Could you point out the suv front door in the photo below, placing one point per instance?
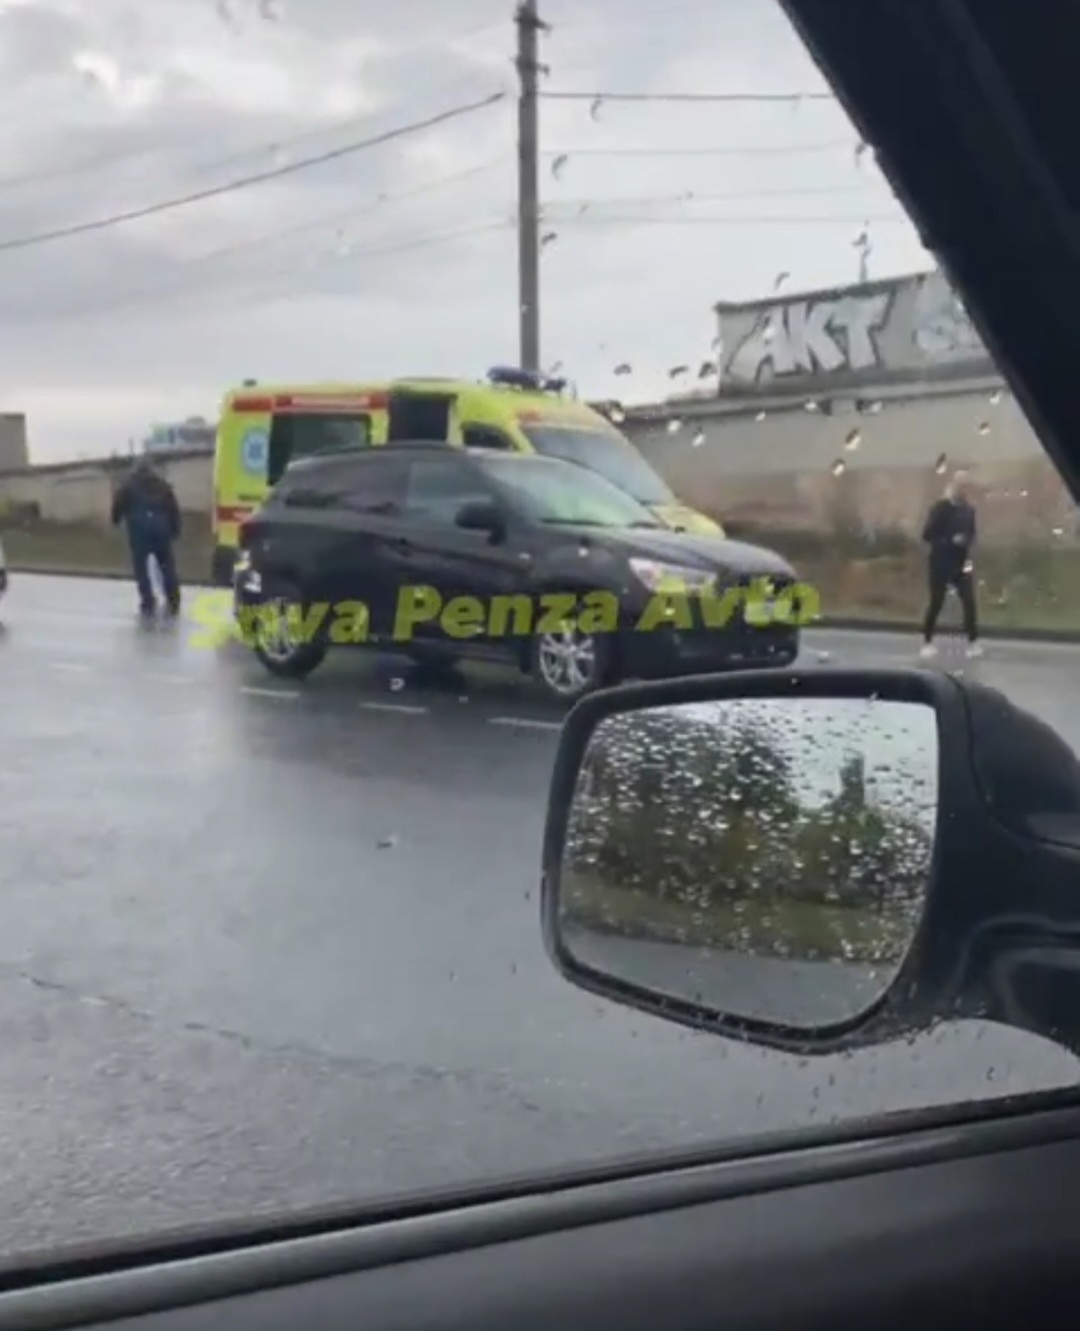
(452, 561)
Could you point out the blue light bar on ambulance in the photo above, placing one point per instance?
(529, 381)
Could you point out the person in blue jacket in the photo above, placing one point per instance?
(146, 503)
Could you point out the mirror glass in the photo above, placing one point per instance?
(767, 858)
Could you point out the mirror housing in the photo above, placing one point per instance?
(482, 515)
(996, 935)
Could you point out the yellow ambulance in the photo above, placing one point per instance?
(263, 428)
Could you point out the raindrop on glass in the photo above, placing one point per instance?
(853, 439)
(838, 467)
(698, 439)
(674, 425)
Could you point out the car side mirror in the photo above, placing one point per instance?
(482, 515)
(816, 860)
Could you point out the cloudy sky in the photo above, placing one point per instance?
(398, 258)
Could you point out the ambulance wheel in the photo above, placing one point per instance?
(279, 640)
(221, 566)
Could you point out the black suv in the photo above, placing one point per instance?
(442, 552)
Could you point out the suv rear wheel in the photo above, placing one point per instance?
(281, 641)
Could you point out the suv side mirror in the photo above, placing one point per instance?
(815, 860)
(482, 515)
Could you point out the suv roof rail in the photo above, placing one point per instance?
(351, 451)
(417, 443)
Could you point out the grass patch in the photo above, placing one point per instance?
(69, 547)
(797, 930)
(1034, 588)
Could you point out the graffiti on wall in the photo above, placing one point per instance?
(811, 337)
(900, 328)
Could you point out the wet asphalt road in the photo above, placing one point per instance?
(264, 947)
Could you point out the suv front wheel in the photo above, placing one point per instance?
(569, 663)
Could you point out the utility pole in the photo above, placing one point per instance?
(529, 25)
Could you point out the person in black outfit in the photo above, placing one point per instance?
(146, 503)
(950, 533)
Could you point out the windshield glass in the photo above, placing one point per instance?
(270, 903)
(559, 493)
(608, 454)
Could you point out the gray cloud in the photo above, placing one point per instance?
(401, 257)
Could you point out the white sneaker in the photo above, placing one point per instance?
(927, 650)
(975, 649)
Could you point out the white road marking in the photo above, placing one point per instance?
(394, 707)
(70, 667)
(69, 617)
(268, 693)
(175, 679)
(524, 722)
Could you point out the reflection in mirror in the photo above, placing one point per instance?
(768, 858)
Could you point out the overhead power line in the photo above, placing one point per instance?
(255, 178)
(852, 219)
(763, 150)
(688, 96)
(202, 267)
(268, 282)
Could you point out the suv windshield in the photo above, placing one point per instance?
(606, 453)
(553, 492)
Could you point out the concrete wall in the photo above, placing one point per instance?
(82, 491)
(13, 447)
(770, 463)
(775, 463)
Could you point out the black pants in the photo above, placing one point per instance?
(145, 547)
(942, 577)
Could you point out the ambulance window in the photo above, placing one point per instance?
(485, 436)
(298, 435)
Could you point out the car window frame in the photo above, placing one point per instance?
(465, 466)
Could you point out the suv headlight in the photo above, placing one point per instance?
(660, 577)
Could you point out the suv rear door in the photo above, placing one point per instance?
(332, 525)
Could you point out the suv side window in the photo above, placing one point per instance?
(485, 436)
(376, 484)
(306, 487)
(438, 487)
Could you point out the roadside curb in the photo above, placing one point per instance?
(90, 574)
(840, 623)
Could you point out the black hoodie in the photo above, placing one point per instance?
(147, 503)
(948, 520)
